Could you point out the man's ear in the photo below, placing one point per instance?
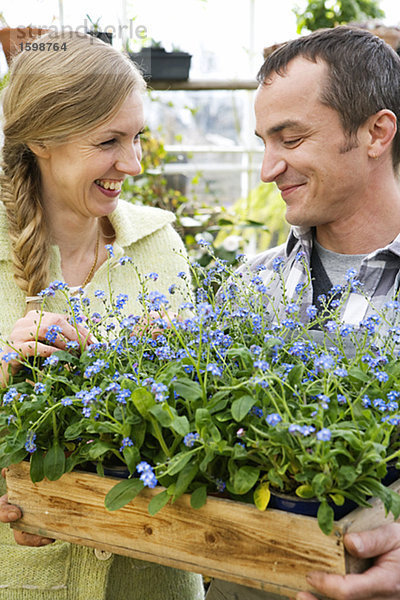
(382, 128)
(40, 150)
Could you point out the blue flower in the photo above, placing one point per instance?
(381, 376)
(324, 435)
(126, 442)
(51, 361)
(214, 369)
(9, 356)
(124, 260)
(39, 388)
(273, 419)
(95, 368)
(366, 401)
(30, 445)
(66, 401)
(10, 395)
(277, 263)
(190, 439)
(160, 391)
(122, 396)
(311, 311)
(147, 474)
(220, 485)
(110, 250)
(152, 276)
(52, 333)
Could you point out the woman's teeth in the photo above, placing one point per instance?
(109, 185)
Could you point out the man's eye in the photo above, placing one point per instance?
(292, 143)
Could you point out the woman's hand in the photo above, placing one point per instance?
(28, 338)
(10, 513)
(150, 323)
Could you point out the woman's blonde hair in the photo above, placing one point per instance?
(51, 96)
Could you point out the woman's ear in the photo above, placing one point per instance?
(40, 150)
(382, 127)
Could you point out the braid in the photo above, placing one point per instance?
(20, 184)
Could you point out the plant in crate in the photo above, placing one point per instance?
(233, 395)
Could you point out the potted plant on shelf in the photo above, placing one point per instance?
(94, 30)
(157, 64)
(13, 39)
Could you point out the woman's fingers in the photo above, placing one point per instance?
(29, 539)
(8, 512)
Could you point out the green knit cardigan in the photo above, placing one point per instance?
(63, 571)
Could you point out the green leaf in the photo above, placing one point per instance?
(181, 425)
(244, 479)
(54, 463)
(185, 477)
(321, 483)
(338, 499)
(395, 503)
(177, 463)
(188, 389)
(143, 401)
(325, 517)
(37, 466)
(241, 407)
(262, 495)
(122, 493)
(346, 476)
(199, 497)
(98, 448)
(296, 375)
(13, 458)
(305, 491)
(74, 430)
(132, 457)
(357, 373)
(158, 502)
(66, 357)
(161, 414)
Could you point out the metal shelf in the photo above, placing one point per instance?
(204, 85)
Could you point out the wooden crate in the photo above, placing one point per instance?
(271, 550)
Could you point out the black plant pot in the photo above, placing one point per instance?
(104, 36)
(156, 64)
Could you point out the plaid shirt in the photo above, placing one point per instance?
(379, 275)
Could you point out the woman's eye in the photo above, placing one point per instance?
(108, 142)
(137, 136)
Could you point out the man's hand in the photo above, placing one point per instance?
(381, 581)
(9, 513)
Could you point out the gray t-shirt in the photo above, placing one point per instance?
(336, 264)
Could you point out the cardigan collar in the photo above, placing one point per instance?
(131, 223)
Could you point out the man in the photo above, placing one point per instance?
(327, 110)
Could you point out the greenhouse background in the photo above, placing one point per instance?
(201, 157)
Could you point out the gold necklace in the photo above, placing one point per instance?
(96, 258)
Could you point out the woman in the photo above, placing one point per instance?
(72, 124)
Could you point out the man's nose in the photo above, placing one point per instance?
(273, 165)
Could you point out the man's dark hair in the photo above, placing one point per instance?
(363, 75)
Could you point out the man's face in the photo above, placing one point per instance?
(321, 176)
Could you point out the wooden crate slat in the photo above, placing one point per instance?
(271, 550)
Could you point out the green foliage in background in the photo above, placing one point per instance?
(251, 225)
(330, 13)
